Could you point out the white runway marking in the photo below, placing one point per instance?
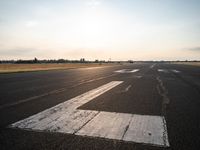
(66, 118)
(152, 66)
(127, 88)
(163, 70)
(107, 125)
(175, 71)
(138, 77)
(64, 112)
(127, 70)
(89, 68)
(147, 129)
(167, 71)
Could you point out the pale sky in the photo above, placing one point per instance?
(100, 29)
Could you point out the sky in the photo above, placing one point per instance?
(100, 29)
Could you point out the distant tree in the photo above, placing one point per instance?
(130, 61)
(60, 61)
(82, 60)
(35, 60)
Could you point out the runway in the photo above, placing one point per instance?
(128, 106)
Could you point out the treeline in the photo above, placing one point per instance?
(82, 60)
(35, 61)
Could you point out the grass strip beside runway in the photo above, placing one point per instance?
(10, 68)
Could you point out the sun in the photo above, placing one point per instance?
(95, 25)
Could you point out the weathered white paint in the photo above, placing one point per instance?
(107, 125)
(89, 68)
(134, 70)
(127, 127)
(147, 129)
(127, 88)
(127, 70)
(163, 70)
(152, 66)
(66, 118)
(167, 71)
(137, 77)
(175, 71)
(64, 112)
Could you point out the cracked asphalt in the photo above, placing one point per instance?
(172, 94)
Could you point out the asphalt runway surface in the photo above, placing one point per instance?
(139, 106)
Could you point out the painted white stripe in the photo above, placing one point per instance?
(127, 127)
(89, 68)
(65, 111)
(120, 71)
(175, 71)
(128, 87)
(127, 70)
(66, 118)
(107, 125)
(163, 70)
(152, 66)
(136, 77)
(167, 71)
(147, 129)
(134, 70)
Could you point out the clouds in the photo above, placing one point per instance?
(21, 53)
(31, 23)
(93, 3)
(99, 28)
(194, 48)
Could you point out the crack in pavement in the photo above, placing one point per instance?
(162, 91)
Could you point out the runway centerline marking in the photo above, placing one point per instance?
(163, 70)
(152, 66)
(168, 70)
(127, 70)
(175, 71)
(67, 118)
(127, 88)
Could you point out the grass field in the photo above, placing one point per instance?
(9, 68)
